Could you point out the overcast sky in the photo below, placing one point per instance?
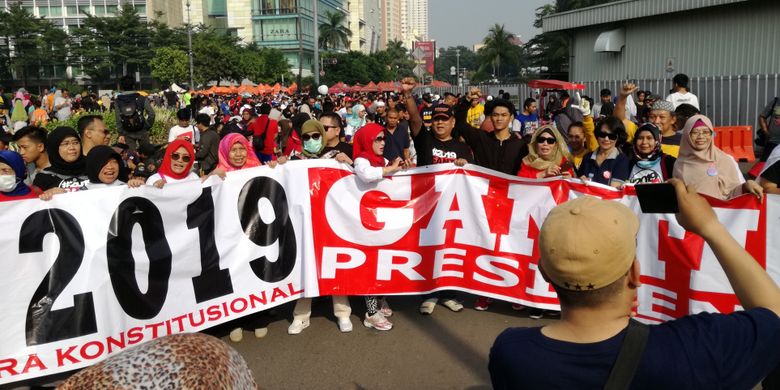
(466, 22)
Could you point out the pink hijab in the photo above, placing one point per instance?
(711, 171)
(224, 153)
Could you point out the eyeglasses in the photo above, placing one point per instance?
(70, 143)
(379, 139)
(604, 134)
(314, 136)
(703, 133)
(546, 140)
(183, 157)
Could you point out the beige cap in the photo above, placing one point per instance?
(588, 243)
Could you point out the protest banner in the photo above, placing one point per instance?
(91, 273)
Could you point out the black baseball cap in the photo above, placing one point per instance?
(442, 110)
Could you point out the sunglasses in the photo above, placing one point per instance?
(183, 157)
(314, 136)
(331, 127)
(546, 140)
(379, 139)
(603, 134)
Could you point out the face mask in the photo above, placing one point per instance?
(312, 146)
(7, 183)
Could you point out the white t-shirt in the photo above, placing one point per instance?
(367, 173)
(157, 176)
(190, 132)
(678, 98)
(93, 186)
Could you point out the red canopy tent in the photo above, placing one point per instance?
(356, 88)
(292, 88)
(440, 84)
(339, 87)
(370, 87)
(555, 84)
(389, 86)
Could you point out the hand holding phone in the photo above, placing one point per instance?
(659, 198)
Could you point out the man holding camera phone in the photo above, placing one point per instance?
(596, 275)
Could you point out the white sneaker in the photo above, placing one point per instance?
(345, 324)
(298, 326)
(236, 335)
(377, 321)
(452, 304)
(428, 305)
(261, 332)
(384, 308)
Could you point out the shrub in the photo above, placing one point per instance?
(164, 119)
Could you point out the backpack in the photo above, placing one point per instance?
(131, 108)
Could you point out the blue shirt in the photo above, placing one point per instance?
(703, 351)
(528, 123)
(614, 169)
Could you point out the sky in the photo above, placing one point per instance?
(466, 22)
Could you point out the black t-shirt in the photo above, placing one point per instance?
(342, 147)
(430, 150)
(46, 180)
(772, 173)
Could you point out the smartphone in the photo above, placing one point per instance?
(659, 198)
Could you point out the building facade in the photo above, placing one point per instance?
(365, 22)
(391, 22)
(414, 21)
(726, 47)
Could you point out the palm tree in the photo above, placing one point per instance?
(498, 48)
(333, 32)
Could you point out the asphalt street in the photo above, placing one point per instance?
(445, 350)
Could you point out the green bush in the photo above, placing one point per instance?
(164, 119)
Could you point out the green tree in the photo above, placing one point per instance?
(448, 58)
(21, 30)
(397, 59)
(170, 65)
(113, 46)
(333, 32)
(354, 67)
(216, 57)
(499, 49)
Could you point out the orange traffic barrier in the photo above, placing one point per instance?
(737, 141)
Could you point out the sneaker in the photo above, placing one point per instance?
(385, 308)
(482, 303)
(377, 321)
(345, 324)
(236, 335)
(452, 304)
(298, 326)
(261, 332)
(517, 307)
(428, 305)
(536, 314)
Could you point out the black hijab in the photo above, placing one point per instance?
(97, 158)
(58, 165)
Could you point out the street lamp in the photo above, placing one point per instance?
(457, 66)
(189, 42)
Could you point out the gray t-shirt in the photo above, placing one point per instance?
(772, 115)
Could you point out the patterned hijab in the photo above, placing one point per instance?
(224, 153)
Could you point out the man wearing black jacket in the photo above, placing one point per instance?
(499, 150)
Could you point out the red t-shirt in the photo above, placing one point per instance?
(258, 129)
(532, 173)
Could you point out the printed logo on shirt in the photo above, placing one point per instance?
(74, 184)
(443, 156)
(646, 176)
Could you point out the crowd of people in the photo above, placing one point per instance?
(633, 138)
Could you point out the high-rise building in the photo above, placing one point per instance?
(414, 21)
(287, 25)
(391, 22)
(365, 22)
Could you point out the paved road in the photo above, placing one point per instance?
(446, 350)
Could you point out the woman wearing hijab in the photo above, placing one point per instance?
(12, 174)
(66, 173)
(313, 136)
(19, 113)
(548, 155)
(649, 164)
(103, 166)
(235, 152)
(708, 169)
(176, 165)
(371, 166)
